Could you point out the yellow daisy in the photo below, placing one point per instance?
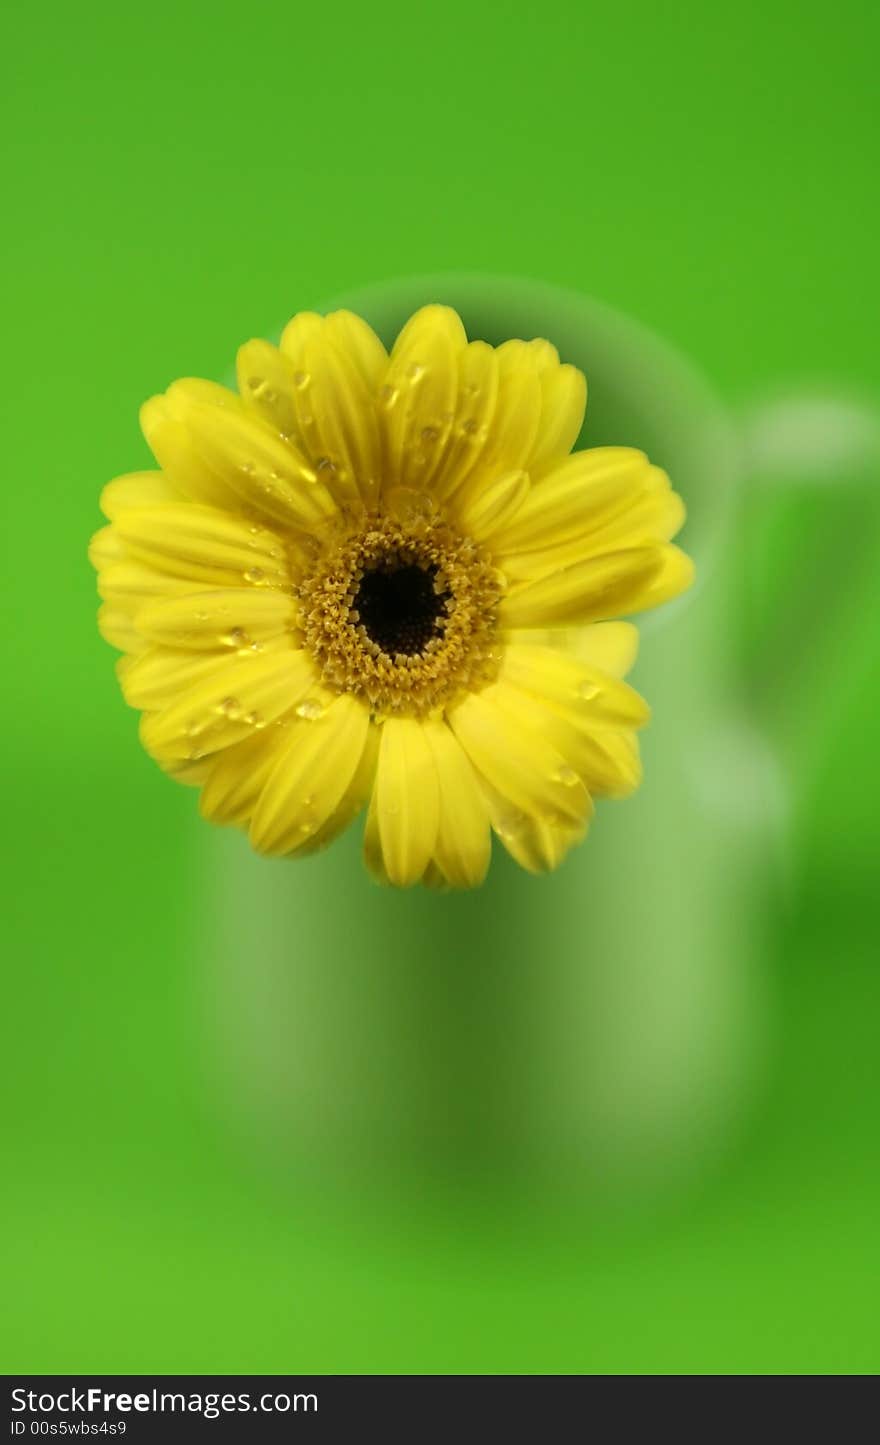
(383, 581)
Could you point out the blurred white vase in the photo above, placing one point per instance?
(603, 1025)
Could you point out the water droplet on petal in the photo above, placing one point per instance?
(566, 775)
(408, 505)
(310, 708)
(587, 691)
(511, 824)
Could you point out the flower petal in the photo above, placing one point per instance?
(311, 776)
(203, 544)
(417, 399)
(137, 489)
(219, 450)
(301, 329)
(106, 548)
(604, 755)
(476, 400)
(265, 473)
(675, 576)
(351, 335)
(515, 420)
(240, 697)
(483, 513)
(521, 764)
(267, 380)
(354, 799)
(407, 800)
(175, 451)
(337, 421)
(576, 498)
(233, 618)
(319, 392)
(559, 677)
(610, 646)
(237, 776)
(117, 627)
(535, 844)
(158, 676)
(587, 591)
(130, 584)
(463, 846)
(563, 403)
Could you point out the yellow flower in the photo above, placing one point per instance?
(382, 581)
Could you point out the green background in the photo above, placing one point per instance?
(179, 178)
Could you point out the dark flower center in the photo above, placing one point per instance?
(400, 608)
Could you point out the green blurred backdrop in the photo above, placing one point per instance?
(180, 178)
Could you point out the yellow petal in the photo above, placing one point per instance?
(266, 474)
(117, 628)
(521, 764)
(237, 776)
(587, 591)
(407, 800)
(654, 516)
(203, 544)
(311, 778)
(130, 584)
(219, 450)
(243, 695)
(462, 850)
(517, 413)
(192, 775)
(175, 451)
(355, 339)
(481, 514)
(609, 762)
(157, 677)
(137, 489)
(559, 677)
(233, 618)
(605, 756)
(301, 329)
(675, 576)
(372, 850)
(352, 802)
(610, 646)
(337, 421)
(476, 400)
(267, 380)
(106, 548)
(417, 398)
(575, 498)
(563, 403)
(535, 844)
(319, 393)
